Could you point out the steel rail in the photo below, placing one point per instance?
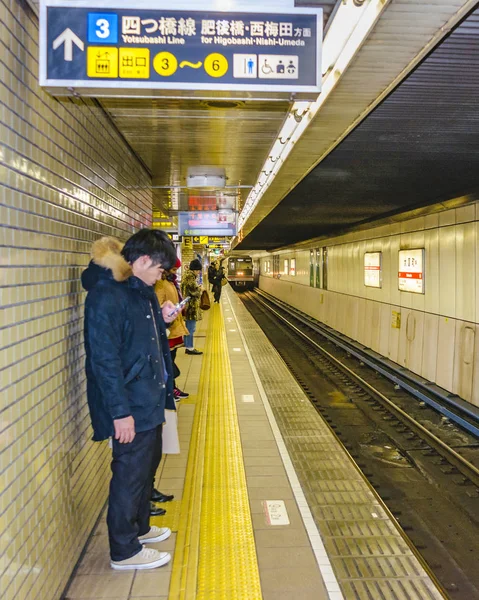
(467, 468)
(404, 381)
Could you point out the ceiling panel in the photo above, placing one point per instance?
(171, 135)
(419, 147)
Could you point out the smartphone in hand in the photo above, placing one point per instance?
(179, 306)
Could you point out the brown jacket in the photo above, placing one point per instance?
(165, 290)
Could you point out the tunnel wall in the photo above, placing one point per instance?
(438, 330)
(66, 178)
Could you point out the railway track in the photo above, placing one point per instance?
(423, 465)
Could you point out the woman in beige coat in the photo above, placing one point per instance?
(168, 289)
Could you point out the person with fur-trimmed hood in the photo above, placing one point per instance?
(129, 383)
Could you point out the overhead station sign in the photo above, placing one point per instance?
(121, 51)
(206, 224)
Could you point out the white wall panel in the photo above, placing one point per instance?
(375, 325)
(466, 271)
(341, 314)
(475, 376)
(395, 294)
(465, 342)
(412, 337)
(368, 318)
(385, 326)
(431, 241)
(476, 270)
(418, 241)
(393, 348)
(445, 352)
(388, 268)
(447, 271)
(430, 346)
(361, 320)
(465, 214)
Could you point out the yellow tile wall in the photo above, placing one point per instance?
(66, 178)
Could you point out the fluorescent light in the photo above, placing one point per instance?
(350, 27)
(339, 31)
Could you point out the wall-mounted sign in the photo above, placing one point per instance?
(120, 47)
(372, 269)
(411, 271)
(204, 223)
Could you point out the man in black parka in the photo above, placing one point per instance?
(129, 382)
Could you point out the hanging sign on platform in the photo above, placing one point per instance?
(123, 48)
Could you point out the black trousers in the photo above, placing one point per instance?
(130, 491)
(217, 292)
(176, 371)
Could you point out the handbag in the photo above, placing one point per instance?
(205, 301)
(224, 281)
(171, 441)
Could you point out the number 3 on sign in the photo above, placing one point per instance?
(216, 65)
(103, 28)
(165, 64)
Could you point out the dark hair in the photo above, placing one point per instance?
(153, 243)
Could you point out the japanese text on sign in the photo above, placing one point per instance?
(411, 271)
(158, 48)
(372, 269)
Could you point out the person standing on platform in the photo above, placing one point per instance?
(129, 383)
(190, 287)
(168, 289)
(211, 274)
(218, 283)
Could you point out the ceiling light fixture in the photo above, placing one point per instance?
(350, 27)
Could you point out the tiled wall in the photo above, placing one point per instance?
(439, 330)
(66, 178)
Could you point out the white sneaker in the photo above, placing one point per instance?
(147, 558)
(156, 534)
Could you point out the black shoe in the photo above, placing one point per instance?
(157, 496)
(195, 352)
(156, 511)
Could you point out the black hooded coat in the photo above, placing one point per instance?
(128, 361)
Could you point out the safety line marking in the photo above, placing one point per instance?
(215, 555)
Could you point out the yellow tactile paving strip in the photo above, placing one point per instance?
(215, 554)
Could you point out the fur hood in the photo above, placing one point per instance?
(107, 262)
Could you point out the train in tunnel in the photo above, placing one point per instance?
(240, 272)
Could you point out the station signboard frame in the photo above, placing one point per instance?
(373, 269)
(84, 49)
(411, 270)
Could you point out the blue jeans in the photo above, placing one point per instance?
(133, 468)
(188, 339)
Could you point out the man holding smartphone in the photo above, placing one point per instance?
(129, 382)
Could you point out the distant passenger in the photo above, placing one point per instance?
(168, 289)
(129, 383)
(212, 270)
(218, 283)
(190, 287)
